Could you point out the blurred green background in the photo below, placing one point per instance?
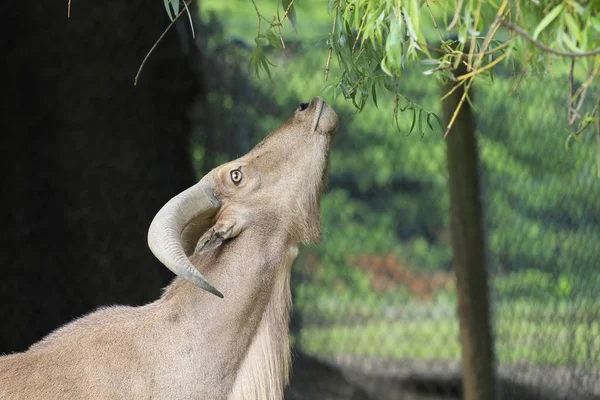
(381, 282)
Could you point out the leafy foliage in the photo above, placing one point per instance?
(388, 191)
(374, 41)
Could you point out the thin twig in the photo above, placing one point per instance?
(360, 28)
(135, 80)
(571, 114)
(435, 25)
(592, 113)
(460, 53)
(456, 16)
(440, 68)
(258, 15)
(491, 33)
(69, 9)
(286, 12)
(574, 112)
(396, 100)
(328, 63)
(474, 38)
(480, 70)
(523, 33)
(459, 84)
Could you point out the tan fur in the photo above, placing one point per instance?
(189, 344)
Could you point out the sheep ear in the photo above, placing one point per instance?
(219, 232)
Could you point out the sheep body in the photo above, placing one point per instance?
(190, 344)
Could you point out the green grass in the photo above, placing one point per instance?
(423, 340)
(519, 338)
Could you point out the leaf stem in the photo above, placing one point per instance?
(284, 16)
(135, 80)
(258, 15)
(328, 63)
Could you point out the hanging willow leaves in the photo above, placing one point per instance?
(374, 40)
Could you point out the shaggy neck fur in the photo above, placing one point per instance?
(261, 369)
(264, 372)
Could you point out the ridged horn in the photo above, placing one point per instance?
(164, 234)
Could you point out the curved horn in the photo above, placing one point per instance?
(164, 234)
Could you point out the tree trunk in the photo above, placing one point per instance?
(468, 251)
(87, 158)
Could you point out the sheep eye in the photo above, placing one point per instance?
(236, 176)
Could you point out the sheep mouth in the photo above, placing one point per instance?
(318, 104)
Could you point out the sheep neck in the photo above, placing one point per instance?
(264, 372)
(247, 343)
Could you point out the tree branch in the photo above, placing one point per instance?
(523, 33)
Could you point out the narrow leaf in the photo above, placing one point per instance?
(374, 95)
(421, 131)
(175, 5)
(414, 121)
(548, 19)
(429, 121)
(291, 15)
(187, 10)
(573, 27)
(168, 8)
(439, 121)
(273, 39)
(265, 65)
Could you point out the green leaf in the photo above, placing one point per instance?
(273, 39)
(595, 22)
(393, 45)
(548, 19)
(439, 121)
(428, 121)
(175, 5)
(568, 142)
(573, 27)
(168, 8)
(414, 121)
(374, 95)
(291, 15)
(384, 66)
(345, 90)
(421, 131)
(265, 63)
(568, 41)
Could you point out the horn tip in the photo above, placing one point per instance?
(217, 293)
(211, 289)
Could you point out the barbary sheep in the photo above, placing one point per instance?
(238, 228)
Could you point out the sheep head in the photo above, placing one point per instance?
(276, 187)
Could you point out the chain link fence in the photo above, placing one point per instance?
(377, 298)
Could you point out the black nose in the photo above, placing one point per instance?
(302, 106)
